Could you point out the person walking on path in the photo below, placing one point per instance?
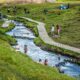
(58, 29)
(52, 29)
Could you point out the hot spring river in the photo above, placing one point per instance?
(25, 37)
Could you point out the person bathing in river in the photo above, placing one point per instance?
(59, 58)
(25, 49)
(45, 62)
(40, 60)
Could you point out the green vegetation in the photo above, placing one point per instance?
(69, 19)
(17, 66)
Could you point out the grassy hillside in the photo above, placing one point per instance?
(68, 19)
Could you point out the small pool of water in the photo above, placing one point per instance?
(37, 53)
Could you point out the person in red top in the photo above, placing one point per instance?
(58, 29)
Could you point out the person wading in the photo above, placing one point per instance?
(40, 60)
(45, 62)
(25, 48)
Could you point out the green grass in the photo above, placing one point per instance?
(17, 66)
(68, 19)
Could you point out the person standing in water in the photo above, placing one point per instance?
(45, 62)
(40, 60)
(59, 58)
(25, 48)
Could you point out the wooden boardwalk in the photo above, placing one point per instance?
(45, 37)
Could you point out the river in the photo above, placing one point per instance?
(25, 37)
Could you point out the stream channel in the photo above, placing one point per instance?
(25, 37)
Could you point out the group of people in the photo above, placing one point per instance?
(46, 60)
(40, 60)
(58, 29)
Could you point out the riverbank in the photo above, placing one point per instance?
(43, 45)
